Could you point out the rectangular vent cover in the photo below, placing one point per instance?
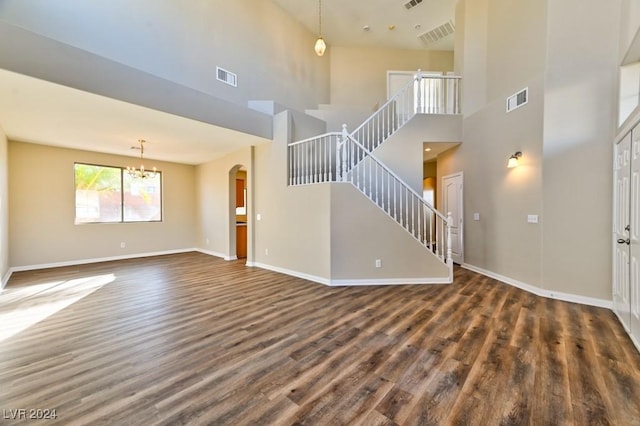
(437, 33)
(517, 100)
(412, 3)
(227, 77)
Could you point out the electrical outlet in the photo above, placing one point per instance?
(266, 252)
(123, 245)
(207, 241)
(258, 216)
(378, 263)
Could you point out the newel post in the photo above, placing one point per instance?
(449, 222)
(343, 145)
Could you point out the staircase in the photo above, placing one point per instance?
(350, 157)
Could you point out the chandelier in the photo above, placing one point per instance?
(141, 173)
(320, 46)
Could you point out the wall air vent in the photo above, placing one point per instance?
(227, 77)
(411, 4)
(517, 100)
(437, 33)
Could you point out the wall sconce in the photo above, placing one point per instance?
(513, 160)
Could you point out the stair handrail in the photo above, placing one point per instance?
(410, 219)
(395, 176)
(311, 139)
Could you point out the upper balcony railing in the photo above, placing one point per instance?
(423, 94)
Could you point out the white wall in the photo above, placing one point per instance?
(42, 210)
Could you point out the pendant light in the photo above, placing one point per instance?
(320, 46)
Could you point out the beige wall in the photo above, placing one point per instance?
(4, 208)
(362, 233)
(42, 210)
(629, 27)
(580, 109)
(564, 132)
(429, 169)
(502, 241)
(183, 42)
(359, 75)
(402, 152)
(293, 232)
(215, 191)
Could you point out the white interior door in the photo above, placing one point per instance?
(452, 186)
(621, 234)
(634, 237)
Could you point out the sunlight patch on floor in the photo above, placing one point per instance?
(29, 305)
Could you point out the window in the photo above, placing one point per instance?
(109, 195)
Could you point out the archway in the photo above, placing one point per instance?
(238, 212)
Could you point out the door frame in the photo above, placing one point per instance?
(460, 259)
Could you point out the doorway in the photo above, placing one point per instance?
(238, 208)
(626, 232)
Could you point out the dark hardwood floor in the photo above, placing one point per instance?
(191, 339)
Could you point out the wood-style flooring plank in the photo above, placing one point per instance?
(191, 339)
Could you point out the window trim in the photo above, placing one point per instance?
(123, 171)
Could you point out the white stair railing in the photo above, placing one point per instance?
(314, 160)
(348, 157)
(424, 94)
(397, 199)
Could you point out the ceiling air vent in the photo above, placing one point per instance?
(412, 4)
(437, 33)
(518, 99)
(227, 77)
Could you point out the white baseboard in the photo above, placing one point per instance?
(390, 281)
(97, 260)
(296, 274)
(212, 253)
(5, 279)
(216, 254)
(359, 282)
(566, 297)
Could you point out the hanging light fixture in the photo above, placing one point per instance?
(141, 173)
(320, 46)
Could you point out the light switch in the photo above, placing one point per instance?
(258, 216)
(532, 218)
(476, 216)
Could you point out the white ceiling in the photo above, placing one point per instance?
(343, 21)
(37, 111)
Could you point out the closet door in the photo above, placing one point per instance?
(621, 234)
(634, 236)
